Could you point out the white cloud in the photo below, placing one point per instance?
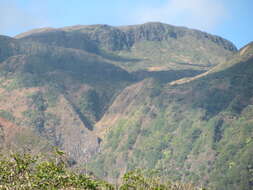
(201, 14)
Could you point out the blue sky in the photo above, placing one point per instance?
(231, 19)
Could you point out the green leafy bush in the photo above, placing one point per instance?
(23, 171)
(27, 172)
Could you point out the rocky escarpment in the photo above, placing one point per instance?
(151, 46)
(119, 38)
(159, 32)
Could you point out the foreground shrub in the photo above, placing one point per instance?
(22, 171)
(26, 172)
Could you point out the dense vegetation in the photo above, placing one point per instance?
(23, 171)
(197, 130)
(27, 172)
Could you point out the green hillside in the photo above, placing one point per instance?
(154, 96)
(50, 90)
(47, 90)
(197, 130)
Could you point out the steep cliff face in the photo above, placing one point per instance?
(8, 47)
(159, 32)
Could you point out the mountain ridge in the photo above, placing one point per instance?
(150, 46)
(155, 26)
